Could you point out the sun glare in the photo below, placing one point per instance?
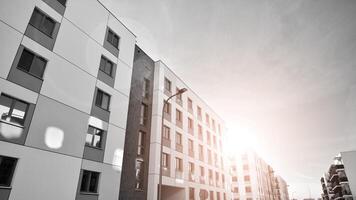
(239, 140)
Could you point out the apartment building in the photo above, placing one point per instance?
(253, 179)
(339, 182)
(193, 165)
(64, 96)
(281, 188)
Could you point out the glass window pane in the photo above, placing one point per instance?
(38, 67)
(110, 36)
(5, 104)
(89, 139)
(94, 182)
(116, 41)
(85, 181)
(102, 64)
(26, 60)
(97, 140)
(108, 68)
(36, 18)
(7, 167)
(99, 96)
(48, 26)
(105, 102)
(19, 112)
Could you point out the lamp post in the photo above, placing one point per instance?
(181, 91)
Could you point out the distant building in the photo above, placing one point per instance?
(253, 179)
(339, 182)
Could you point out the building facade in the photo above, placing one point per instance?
(253, 179)
(192, 159)
(339, 182)
(282, 188)
(64, 96)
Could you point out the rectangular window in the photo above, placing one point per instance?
(165, 160)
(113, 39)
(166, 132)
(236, 190)
(141, 143)
(210, 159)
(42, 22)
(213, 124)
(32, 63)
(94, 137)
(202, 171)
(178, 138)
(245, 167)
(167, 108)
(179, 117)
(247, 178)
(234, 178)
(190, 104)
(190, 123)
(207, 120)
(191, 168)
(106, 66)
(90, 181)
(167, 85)
(146, 88)
(7, 168)
(179, 96)
(208, 140)
(139, 174)
(248, 189)
(102, 100)
(179, 164)
(200, 132)
(13, 110)
(190, 145)
(201, 152)
(199, 112)
(143, 114)
(214, 141)
(191, 194)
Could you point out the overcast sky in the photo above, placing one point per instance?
(285, 69)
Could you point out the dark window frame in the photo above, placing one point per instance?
(10, 175)
(11, 109)
(34, 57)
(139, 185)
(41, 26)
(100, 98)
(62, 3)
(106, 61)
(141, 143)
(110, 38)
(95, 133)
(87, 185)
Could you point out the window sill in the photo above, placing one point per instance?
(89, 193)
(98, 148)
(6, 187)
(11, 123)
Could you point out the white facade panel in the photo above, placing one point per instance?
(68, 84)
(17, 13)
(90, 16)
(114, 148)
(42, 174)
(127, 40)
(10, 41)
(78, 48)
(123, 78)
(110, 184)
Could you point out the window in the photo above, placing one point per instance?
(236, 190)
(213, 124)
(248, 189)
(217, 195)
(217, 177)
(190, 104)
(139, 174)
(179, 164)
(113, 39)
(202, 171)
(216, 159)
(42, 22)
(245, 167)
(234, 178)
(211, 195)
(143, 114)
(199, 112)
(201, 152)
(90, 181)
(141, 143)
(7, 168)
(179, 116)
(165, 160)
(190, 123)
(191, 194)
(166, 132)
(32, 63)
(63, 2)
(13, 110)
(146, 88)
(209, 156)
(178, 138)
(208, 137)
(247, 178)
(200, 132)
(190, 147)
(219, 129)
(94, 137)
(191, 168)
(167, 108)
(102, 100)
(207, 120)
(179, 96)
(167, 85)
(106, 66)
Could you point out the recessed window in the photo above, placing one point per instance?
(90, 181)
(139, 174)
(167, 108)
(207, 120)
(165, 160)
(7, 168)
(179, 164)
(179, 116)
(190, 123)
(178, 138)
(32, 63)
(13, 110)
(141, 143)
(202, 171)
(106, 66)
(190, 145)
(143, 114)
(191, 194)
(245, 167)
(199, 112)
(166, 132)
(94, 137)
(246, 178)
(102, 100)
(167, 85)
(42, 22)
(113, 38)
(191, 168)
(248, 189)
(179, 96)
(146, 88)
(190, 104)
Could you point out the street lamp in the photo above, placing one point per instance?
(181, 91)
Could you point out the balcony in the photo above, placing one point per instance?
(342, 176)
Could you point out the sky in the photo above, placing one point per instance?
(281, 73)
